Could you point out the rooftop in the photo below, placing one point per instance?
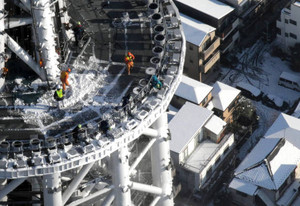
(213, 8)
(274, 157)
(223, 95)
(194, 30)
(186, 123)
(215, 124)
(192, 90)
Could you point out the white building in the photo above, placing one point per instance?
(196, 148)
(288, 26)
(269, 175)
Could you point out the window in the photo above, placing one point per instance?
(226, 150)
(191, 47)
(293, 36)
(278, 31)
(286, 21)
(293, 22)
(286, 35)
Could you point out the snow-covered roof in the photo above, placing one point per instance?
(284, 126)
(192, 90)
(255, 91)
(223, 95)
(297, 3)
(277, 100)
(243, 186)
(198, 159)
(215, 124)
(212, 8)
(186, 123)
(290, 76)
(274, 157)
(194, 30)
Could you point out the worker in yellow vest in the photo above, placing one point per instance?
(58, 94)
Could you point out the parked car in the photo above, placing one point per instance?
(275, 102)
(249, 91)
(289, 80)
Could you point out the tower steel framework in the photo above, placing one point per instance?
(57, 168)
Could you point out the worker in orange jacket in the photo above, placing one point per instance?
(64, 75)
(4, 72)
(129, 61)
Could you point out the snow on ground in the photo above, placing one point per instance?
(257, 67)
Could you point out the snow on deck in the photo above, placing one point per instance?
(200, 157)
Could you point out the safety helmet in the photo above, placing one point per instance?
(58, 87)
(78, 23)
(79, 126)
(69, 70)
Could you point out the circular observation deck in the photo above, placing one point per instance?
(99, 81)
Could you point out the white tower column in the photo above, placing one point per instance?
(52, 189)
(160, 160)
(2, 27)
(121, 177)
(43, 24)
(35, 187)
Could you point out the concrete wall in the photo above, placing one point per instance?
(288, 28)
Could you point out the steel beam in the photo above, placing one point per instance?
(16, 22)
(11, 186)
(91, 198)
(146, 188)
(141, 156)
(22, 54)
(150, 132)
(75, 182)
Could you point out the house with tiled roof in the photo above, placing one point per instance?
(270, 173)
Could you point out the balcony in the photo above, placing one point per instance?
(207, 52)
(209, 64)
(229, 29)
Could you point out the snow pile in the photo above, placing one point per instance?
(278, 101)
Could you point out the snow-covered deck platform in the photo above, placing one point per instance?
(99, 81)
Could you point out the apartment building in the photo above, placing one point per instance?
(288, 26)
(216, 14)
(202, 53)
(199, 148)
(270, 173)
(192, 91)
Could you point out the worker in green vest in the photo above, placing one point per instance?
(58, 94)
